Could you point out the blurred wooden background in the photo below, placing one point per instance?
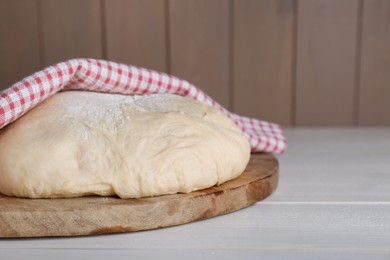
(294, 62)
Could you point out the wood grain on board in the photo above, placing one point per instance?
(199, 45)
(374, 96)
(19, 44)
(70, 29)
(97, 215)
(326, 62)
(135, 32)
(262, 61)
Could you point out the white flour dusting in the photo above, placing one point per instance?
(108, 111)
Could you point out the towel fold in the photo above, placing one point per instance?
(115, 78)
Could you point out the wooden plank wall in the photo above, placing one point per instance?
(293, 62)
(326, 58)
(262, 59)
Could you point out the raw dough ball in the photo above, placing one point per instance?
(79, 143)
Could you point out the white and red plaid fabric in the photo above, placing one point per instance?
(110, 77)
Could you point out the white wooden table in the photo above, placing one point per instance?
(333, 202)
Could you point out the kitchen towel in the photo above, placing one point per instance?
(115, 78)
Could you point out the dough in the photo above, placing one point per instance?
(81, 143)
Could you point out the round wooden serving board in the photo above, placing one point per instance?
(98, 215)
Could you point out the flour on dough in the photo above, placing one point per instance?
(82, 143)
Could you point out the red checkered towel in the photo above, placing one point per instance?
(110, 77)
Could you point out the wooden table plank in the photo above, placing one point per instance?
(205, 254)
(336, 164)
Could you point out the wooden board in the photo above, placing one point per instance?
(98, 215)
